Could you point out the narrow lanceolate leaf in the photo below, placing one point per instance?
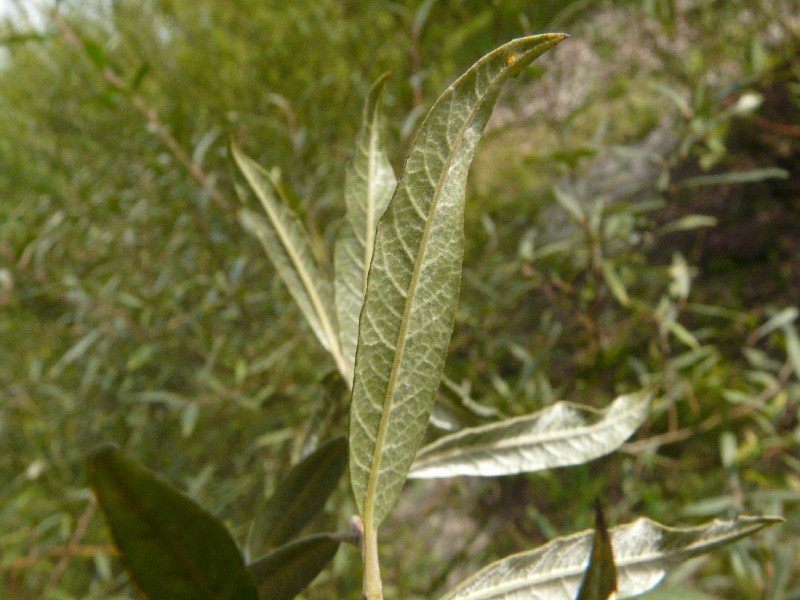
(643, 551)
(286, 571)
(288, 247)
(172, 548)
(413, 282)
(600, 579)
(299, 497)
(369, 185)
(560, 435)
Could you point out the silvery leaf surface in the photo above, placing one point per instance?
(413, 282)
(643, 551)
(369, 184)
(288, 247)
(560, 435)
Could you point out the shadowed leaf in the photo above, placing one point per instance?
(172, 548)
(600, 579)
(299, 497)
(288, 570)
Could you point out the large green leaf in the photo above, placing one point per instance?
(560, 435)
(286, 571)
(172, 548)
(413, 283)
(369, 184)
(600, 579)
(299, 497)
(288, 247)
(643, 550)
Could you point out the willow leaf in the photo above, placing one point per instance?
(288, 570)
(299, 497)
(600, 579)
(172, 548)
(643, 551)
(288, 247)
(413, 282)
(560, 435)
(369, 184)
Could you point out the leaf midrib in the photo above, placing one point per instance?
(576, 570)
(547, 436)
(194, 571)
(369, 238)
(316, 301)
(398, 357)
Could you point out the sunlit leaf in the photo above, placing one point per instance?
(793, 347)
(413, 282)
(299, 497)
(561, 434)
(778, 320)
(172, 548)
(687, 223)
(369, 184)
(643, 551)
(286, 571)
(600, 580)
(289, 249)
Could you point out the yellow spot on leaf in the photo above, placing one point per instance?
(511, 59)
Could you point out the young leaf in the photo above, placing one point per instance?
(369, 184)
(298, 497)
(289, 249)
(413, 282)
(643, 550)
(600, 580)
(560, 435)
(286, 571)
(172, 548)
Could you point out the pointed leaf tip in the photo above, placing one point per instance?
(369, 184)
(414, 279)
(172, 548)
(643, 552)
(299, 497)
(560, 435)
(600, 580)
(288, 247)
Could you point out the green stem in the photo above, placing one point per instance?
(373, 589)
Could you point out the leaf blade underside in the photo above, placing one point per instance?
(643, 550)
(289, 249)
(369, 184)
(560, 435)
(414, 280)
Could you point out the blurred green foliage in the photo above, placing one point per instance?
(133, 309)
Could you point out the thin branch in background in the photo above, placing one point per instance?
(151, 115)
(77, 535)
(715, 420)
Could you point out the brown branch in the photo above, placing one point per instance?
(744, 410)
(149, 113)
(80, 530)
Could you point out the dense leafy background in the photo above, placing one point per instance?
(134, 309)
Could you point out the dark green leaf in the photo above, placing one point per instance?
(600, 579)
(172, 548)
(286, 571)
(299, 497)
